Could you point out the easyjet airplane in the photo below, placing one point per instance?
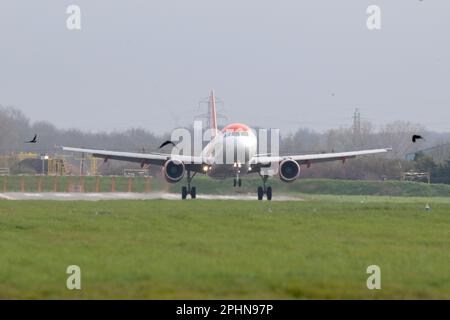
(218, 160)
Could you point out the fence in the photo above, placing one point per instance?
(39, 183)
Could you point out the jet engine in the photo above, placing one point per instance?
(173, 170)
(289, 170)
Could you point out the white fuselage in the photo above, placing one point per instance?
(231, 151)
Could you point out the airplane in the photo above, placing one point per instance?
(211, 159)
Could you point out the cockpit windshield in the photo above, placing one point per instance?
(236, 134)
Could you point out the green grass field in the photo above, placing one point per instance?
(317, 248)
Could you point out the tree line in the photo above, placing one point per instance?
(16, 127)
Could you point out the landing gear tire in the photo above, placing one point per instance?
(264, 190)
(269, 193)
(234, 183)
(240, 183)
(260, 193)
(189, 190)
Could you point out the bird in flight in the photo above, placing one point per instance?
(34, 140)
(416, 137)
(165, 143)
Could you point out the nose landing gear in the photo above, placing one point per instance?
(237, 181)
(267, 190)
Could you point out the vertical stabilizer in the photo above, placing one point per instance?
(213, 114)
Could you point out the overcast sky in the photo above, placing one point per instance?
(281, 64)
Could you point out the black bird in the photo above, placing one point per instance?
(34, 140)
(416, 137)
(165, 143)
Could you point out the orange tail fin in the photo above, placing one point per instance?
(213, 115)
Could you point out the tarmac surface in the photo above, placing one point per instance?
(64, 196)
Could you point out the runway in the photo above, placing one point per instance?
(64, 196)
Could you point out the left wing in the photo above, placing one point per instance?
(192, 162)
(309, 159)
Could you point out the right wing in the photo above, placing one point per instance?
(191, 162)
(309, 159)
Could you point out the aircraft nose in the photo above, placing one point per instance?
(236, 151)
(241, 151)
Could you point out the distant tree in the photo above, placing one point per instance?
(397, 135)
(424, 163)
(442, 173)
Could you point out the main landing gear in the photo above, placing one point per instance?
(189, 190)
(264, 189)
